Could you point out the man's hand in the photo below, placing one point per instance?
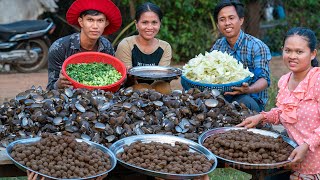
(63, 82)
(298, 154)
(33, 176)
(244, 89)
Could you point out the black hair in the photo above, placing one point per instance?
(146, 7)
(308, 35)
(224, 3)
(90, 12)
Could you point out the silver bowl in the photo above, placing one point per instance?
(33, 140)
(155, 72)
(244, 165)
(117, 147)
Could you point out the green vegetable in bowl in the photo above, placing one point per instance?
(93, 74)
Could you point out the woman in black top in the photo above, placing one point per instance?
(144, 49)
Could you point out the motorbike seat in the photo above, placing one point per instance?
(21, 27)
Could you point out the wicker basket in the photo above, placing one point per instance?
(187, 84)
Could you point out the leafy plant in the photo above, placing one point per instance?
(272, 92)
(187, 24)
(274, 38)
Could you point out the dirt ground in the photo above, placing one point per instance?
(13, 83)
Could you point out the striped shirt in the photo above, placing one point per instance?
(252, 53)
(64, 47)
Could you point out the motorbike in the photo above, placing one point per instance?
(25, 44)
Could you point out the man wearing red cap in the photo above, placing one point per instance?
(94, 17)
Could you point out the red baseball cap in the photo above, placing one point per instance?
(107, 7)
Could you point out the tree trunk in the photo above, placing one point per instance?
(252, 18)
(132, 4)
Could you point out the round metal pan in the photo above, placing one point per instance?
(245, 165)
(33, 140)
(117, 147)
(155, 72)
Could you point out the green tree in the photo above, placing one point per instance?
(188, 24)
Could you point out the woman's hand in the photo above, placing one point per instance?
(33, 176)
(63, 82)
(251, 121)
(298, 154)
(244, 89)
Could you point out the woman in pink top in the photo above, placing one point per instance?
(298, 103)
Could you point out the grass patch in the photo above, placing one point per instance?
(229, 174)
(14, 178)
(272, 92)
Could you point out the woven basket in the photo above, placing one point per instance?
(187, 84)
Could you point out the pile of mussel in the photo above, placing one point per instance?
(105, 117)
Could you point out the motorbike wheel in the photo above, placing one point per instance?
(42, 48)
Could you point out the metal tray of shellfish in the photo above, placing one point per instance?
(245, 165)
(155, 72)
(117, 147)
(113, 159)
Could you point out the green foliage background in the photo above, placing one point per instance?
(188, 25)
(298, 13)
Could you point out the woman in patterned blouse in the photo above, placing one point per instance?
(298, 107)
